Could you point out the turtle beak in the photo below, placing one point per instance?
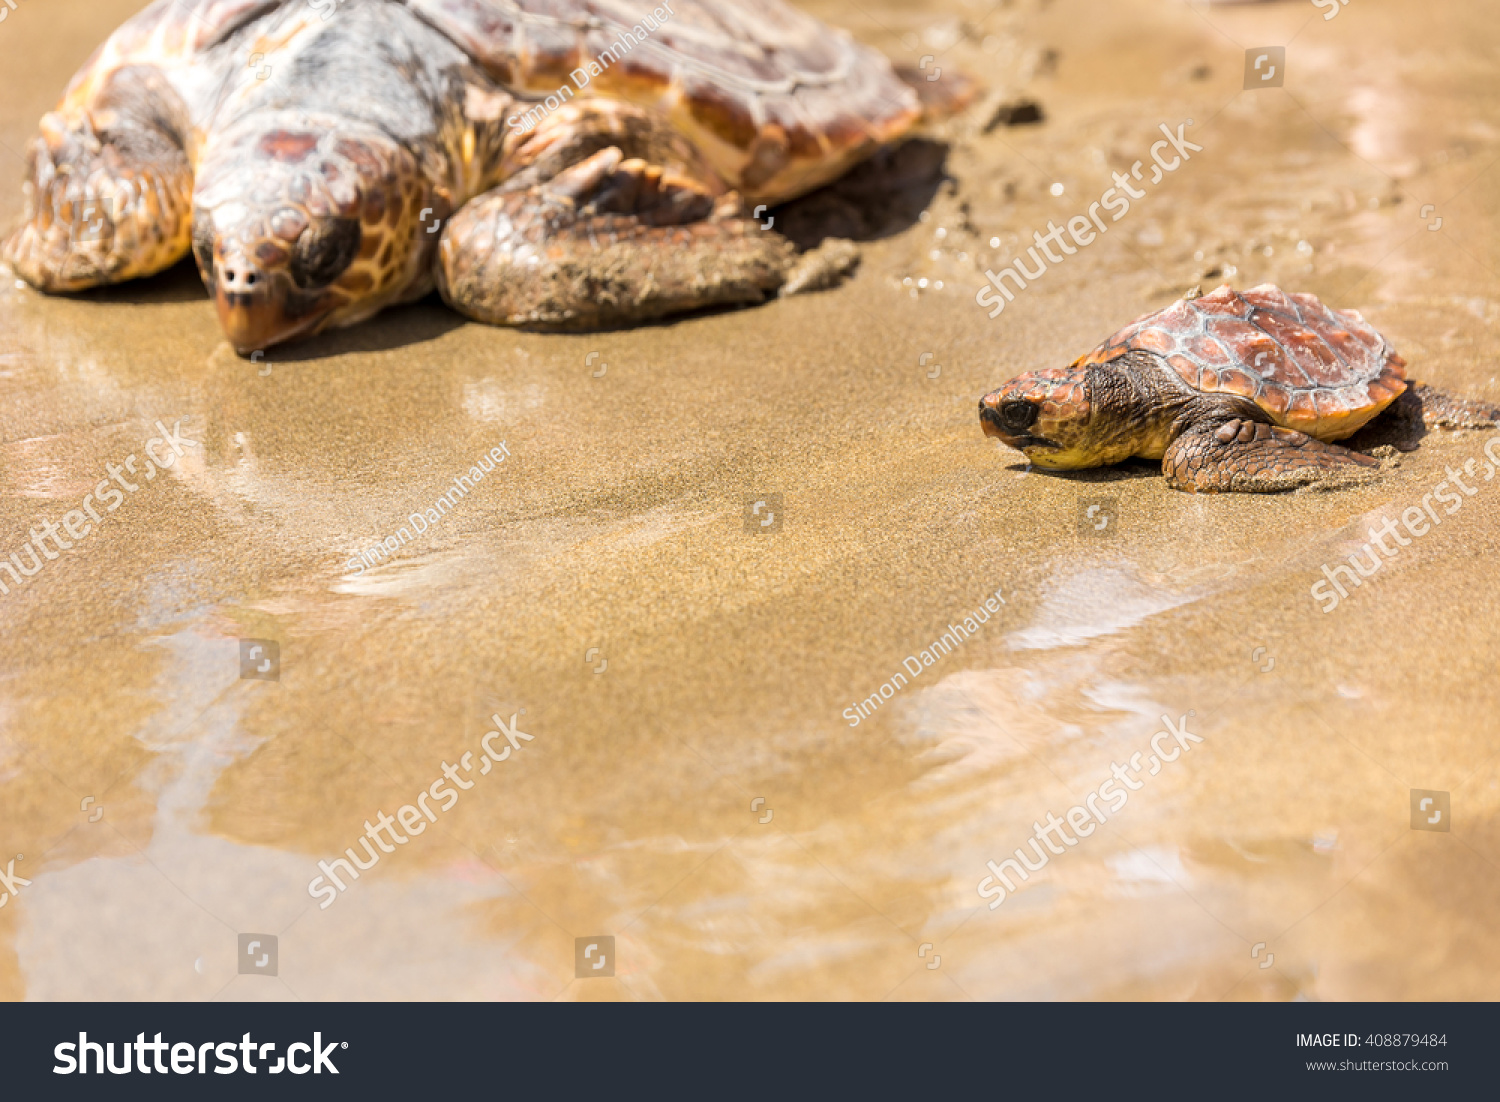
(252, 306)
(989, 420)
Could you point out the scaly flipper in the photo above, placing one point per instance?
(109, 188)
(1244, 456)
(1448, 411)
(1419, 409)
(607, 242)
(580, 129)
(942, 92)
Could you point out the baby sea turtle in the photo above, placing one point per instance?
(1232, 392)
(560, 164)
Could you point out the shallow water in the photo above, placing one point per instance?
(701, 797)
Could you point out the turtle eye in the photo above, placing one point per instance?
(324, 250)
(1017, 415)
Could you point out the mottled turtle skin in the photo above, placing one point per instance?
(325, 158)
(1231, 391)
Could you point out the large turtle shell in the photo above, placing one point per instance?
(778, 102)
(1319, 371)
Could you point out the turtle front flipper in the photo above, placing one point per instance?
(608, 242)
(109, 188)
(1242, 456)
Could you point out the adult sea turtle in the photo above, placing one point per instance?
(1230, 391)
(559, 164)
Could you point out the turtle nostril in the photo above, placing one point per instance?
(238, 280)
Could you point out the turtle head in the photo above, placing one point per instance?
(1046, 415)
(298, 227)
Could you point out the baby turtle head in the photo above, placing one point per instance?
(299, 224)
(1046, 415)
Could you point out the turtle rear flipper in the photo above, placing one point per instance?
(1242, 456)
(109, 189)
(609, 242)
(1439, 409)
(1419, 409)
(943, 92)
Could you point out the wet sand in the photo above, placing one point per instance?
(619, 524)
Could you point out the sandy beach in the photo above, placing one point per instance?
(692, 787)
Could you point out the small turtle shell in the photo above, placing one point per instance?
(1319, 371)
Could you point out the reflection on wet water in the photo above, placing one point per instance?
(1083, 602)
(693, 790)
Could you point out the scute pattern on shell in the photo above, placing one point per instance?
(776, 101)
(1320, 371)
(1061, 392)
(779, 102)
(166, 33)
